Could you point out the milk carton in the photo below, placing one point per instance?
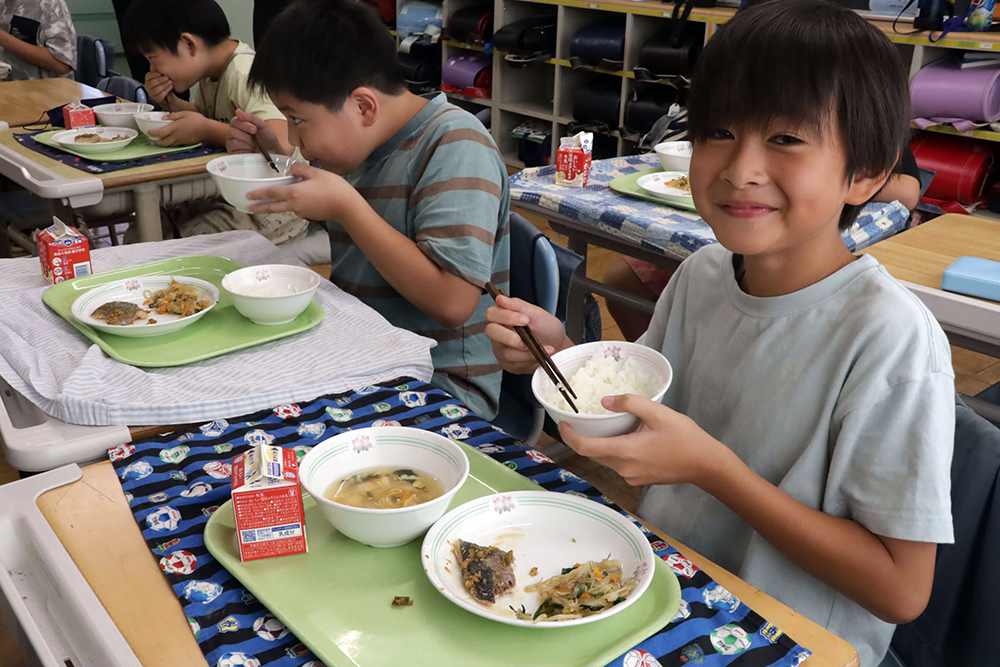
(78, 115)
(63, 252)
(267, 502)
(573, 159)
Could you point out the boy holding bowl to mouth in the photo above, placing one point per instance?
(805, 443)
(188, 42)
(413, 189)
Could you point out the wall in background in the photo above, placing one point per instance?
(97, 19)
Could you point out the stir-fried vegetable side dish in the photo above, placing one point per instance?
(582, 590)
(177, 299)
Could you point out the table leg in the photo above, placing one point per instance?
(147, 212)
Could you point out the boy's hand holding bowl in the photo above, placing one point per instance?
(188, 127)
(320, 195)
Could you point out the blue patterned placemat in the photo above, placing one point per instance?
(174, 482)
(96, 166)
(658, 227)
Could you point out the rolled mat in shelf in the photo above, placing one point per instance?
(604, 40)
(598, 101)
(527, 36)
(472, 24)
(662, 55)
(646, 106)
(468, 71)
(963, 166)
(421, 65)
(943, 90)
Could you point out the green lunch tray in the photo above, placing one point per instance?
(337, 599)
(626, 185)
(220, 331)
(140, 147)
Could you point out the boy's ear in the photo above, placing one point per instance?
(366, 102)
(863, 188)
(188, 44)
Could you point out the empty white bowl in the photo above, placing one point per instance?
(395, 446)
(237, 175)
(675, 155)
(120, 114)
(606, 425)
(151, 120)
(271, 293)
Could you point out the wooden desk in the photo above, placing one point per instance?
(94, 523)
(23, 102)
(919, 256)
(139, 189)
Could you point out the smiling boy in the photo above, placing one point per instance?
(413, 190)
(806, 440)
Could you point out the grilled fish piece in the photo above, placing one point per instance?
(119, 313)
(486, 571)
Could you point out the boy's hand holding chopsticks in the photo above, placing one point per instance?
(513, 355)
(243, 127)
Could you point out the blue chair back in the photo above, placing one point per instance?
(125, 88)
(95, 59)
(958, 625)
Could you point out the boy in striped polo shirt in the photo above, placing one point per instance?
(414, 190)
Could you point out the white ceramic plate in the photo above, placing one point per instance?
(125, 136)
(133, 290)
(655, 184)
(544, 529)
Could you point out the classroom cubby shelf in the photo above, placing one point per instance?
(544, 91)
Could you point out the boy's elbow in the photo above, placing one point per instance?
(454, 315)
(60, 68)
(906, 606)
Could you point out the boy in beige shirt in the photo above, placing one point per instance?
(187, 42)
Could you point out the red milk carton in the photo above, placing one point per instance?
(64, 253)
(267, 502)
(573, 159)
(78, 115)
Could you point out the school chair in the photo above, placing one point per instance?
(958, 625)
(125, 88)
(534, 277)
(95, 60)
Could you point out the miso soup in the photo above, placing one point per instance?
(385, 488)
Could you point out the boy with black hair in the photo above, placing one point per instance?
(414, 190)
(187, 42)
(805, 442)
(37, 39)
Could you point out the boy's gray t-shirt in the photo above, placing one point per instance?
(841, 394)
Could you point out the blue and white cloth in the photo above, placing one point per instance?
(174, 482)
(60, 370)
(658, 227)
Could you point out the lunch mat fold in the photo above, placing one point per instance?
(95, 165)
(174, 482)
(68, 376)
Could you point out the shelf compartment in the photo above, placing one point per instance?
(530, 88)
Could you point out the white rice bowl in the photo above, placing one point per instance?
(600, 369)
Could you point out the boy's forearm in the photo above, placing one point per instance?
(839, 552)
(444, 297)
(175, 104)
(215, 132)
(36, 55)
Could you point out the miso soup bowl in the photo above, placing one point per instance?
(151, 120)
(238, 175)
(674, 155)
(389, 446)
(120, 114)
(614, 423)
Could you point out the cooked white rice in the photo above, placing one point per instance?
(603, 376)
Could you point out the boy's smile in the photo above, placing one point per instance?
(775, 196)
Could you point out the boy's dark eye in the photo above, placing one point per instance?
(719, 134)
(786, 140)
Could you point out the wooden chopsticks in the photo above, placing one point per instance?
(539, 353)
(259, 146)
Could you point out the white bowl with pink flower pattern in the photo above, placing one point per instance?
(395, 446)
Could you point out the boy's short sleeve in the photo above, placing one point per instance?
(890, 468)
(58, 35)
(459, 200)
(253, 102)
